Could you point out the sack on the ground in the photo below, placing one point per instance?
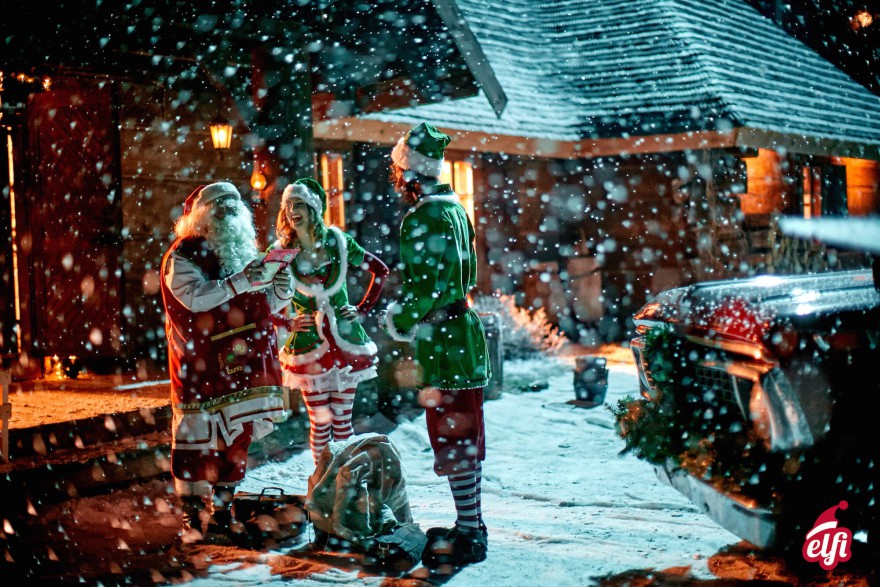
(397, 550)
(270, 516)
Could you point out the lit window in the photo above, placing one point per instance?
(812, 191)
(460, 176)
(333, 182)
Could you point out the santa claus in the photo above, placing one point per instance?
(223, 359)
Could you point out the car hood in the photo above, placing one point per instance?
(748, 306)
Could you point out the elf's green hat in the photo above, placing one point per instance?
(310, 191)
(421, 150)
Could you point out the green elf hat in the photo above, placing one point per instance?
(309, 191)
(421, 150)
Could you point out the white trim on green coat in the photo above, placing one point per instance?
(324, 307)
(389, 324)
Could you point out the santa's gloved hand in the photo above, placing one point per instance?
(254, 274)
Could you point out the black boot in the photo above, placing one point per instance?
(456, 547)
(223, 521)
(192, 507)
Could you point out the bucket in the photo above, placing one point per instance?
(590, 379)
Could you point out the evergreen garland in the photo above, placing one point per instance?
(680, 422)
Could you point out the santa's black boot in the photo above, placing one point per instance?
(193, 506)
(223, 522)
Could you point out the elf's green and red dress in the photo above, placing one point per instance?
(336, 353)
(439, 271)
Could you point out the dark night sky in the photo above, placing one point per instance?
(825, 25)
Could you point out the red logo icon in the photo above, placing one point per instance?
(826, 543)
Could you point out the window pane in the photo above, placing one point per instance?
(463, 184)
(333, 182)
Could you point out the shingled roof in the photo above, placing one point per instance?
(595, 69)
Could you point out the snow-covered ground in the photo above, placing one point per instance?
(562, 507)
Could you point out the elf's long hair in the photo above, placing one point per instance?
(286, 234)
(408, 183)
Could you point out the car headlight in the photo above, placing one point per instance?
(782, 341)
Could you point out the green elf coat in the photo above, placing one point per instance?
(439, 268)
(325, 300)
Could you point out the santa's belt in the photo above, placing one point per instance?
(218, 403)
(250, 326)
(447, 312)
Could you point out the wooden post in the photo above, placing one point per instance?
(5, 412)
(282, 98)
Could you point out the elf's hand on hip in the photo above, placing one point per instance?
(349, 312)
(302, 323)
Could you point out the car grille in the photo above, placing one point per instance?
(710, 374)
(735, 391)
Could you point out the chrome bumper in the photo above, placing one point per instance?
(748, 521)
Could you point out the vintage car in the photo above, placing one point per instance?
(763, 393)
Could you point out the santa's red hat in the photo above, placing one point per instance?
(827, 519)
(208, 193)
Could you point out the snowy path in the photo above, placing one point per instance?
(562, 507)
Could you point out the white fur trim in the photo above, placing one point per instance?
(200, 430)
(301, 191)
(393, 332)
(316, 289)
(355, 349)
(288, 358)
(213, 191)
(484, 383)
(451, 198)
(322, 296)
(335, 379)
(408, 158)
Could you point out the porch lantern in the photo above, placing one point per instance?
(221, 134)
(258, 180)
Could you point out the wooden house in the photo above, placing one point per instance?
(646, 144)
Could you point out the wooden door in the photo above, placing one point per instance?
(8, 336)
(75, 221)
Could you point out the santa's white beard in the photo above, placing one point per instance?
(233, 240)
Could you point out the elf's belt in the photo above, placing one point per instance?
(448, 312)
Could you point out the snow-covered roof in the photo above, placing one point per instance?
(591, 69)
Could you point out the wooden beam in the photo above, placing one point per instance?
(5, 413)
(386, 133)
(753, 137)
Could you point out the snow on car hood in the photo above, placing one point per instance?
(746, 308)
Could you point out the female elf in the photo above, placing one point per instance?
(328, 353)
